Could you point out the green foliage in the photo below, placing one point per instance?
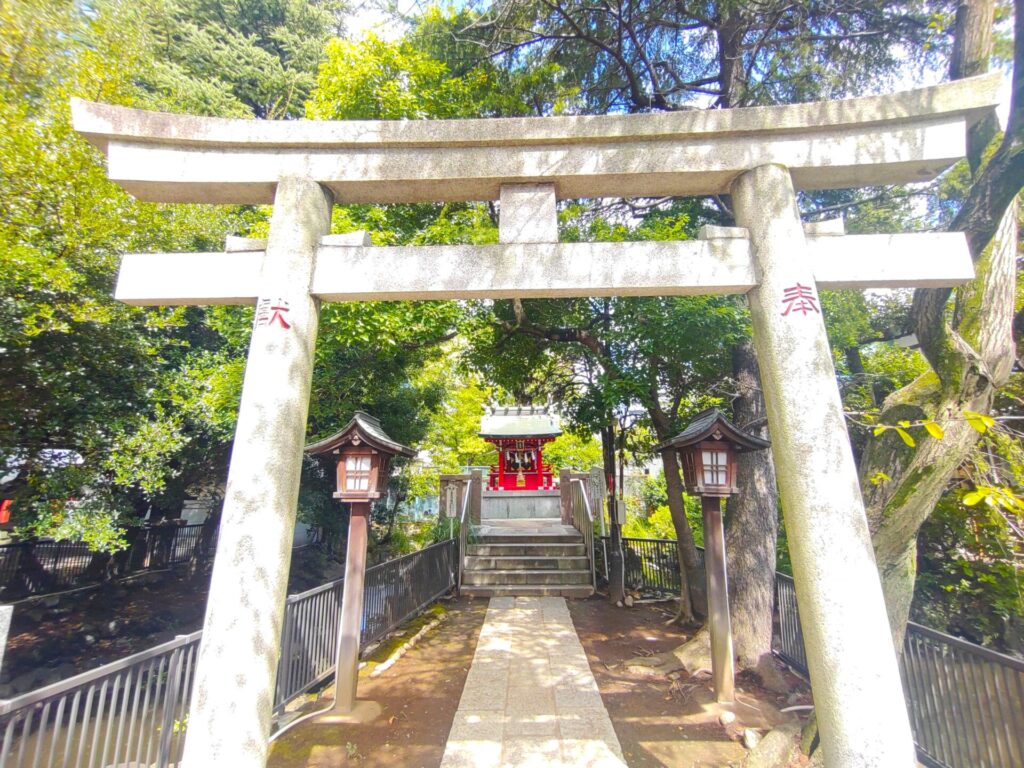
(571, 451)
(78, 370)
(660, 55)
(237, 59)
(452, 439)
(969, 578)
(659, 525)
(433, 531)
(648, 515)
(146, 397)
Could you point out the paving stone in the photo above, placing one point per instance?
(591, 753)
(536, 751)
(530, 698)
(532, 725)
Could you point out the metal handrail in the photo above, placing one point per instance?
(463, 531)
(966, 645)
(131, 711)
(83, 678)
(965, 702)
(586, 528)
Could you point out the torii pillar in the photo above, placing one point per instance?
(237, 666)
(858, 698)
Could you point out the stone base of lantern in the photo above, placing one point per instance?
(363, 711)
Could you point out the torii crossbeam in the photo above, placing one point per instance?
(759, 156)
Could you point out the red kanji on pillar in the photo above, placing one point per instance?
(799, 298)
(272, 311)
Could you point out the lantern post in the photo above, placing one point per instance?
(708, 447)
(363, 454)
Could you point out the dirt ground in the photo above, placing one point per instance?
(419, 696)
(659, 722)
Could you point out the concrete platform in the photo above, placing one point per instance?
(514, 505)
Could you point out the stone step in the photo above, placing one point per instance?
(509, 578)
(526, 563)
(526, 550)
(528, 538)
(529, 590)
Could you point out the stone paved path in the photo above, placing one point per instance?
(530, 698)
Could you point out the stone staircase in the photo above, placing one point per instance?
(526, 557)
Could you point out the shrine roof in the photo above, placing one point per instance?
(713, 424)
(369, 430)
(520, 421)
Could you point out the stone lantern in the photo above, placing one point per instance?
(708, 448)
(363, 452)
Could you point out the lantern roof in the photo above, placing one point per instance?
(363, 428)
(520, 421)
(711, 424)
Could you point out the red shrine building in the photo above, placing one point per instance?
(520, 434)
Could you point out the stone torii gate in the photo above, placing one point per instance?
(759, 156)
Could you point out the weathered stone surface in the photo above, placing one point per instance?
(528, 214)
(776, 749)
(857, 690)
(888, 139)
(720, 264)
(695, 654)
(229, 720)
(530, 698)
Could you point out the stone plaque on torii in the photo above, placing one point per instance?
(758, 155)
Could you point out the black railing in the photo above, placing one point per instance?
(649, 564)
(130, 712)
(789, 643)
(40, 567)
(393, 592)
(135, 711)
(965, 702)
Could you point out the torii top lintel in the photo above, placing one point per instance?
(896, 138)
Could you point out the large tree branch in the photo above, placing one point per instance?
(580, 336)
(988, 199)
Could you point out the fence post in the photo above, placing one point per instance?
(284, 664)
(476, 496)
(6, 612)
(163, 753)
(565, 495)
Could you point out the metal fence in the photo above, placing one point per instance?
(393, 591)
(789, 643)
(39, 567)
(965, 702)
(582, 518)
(133, 712)
(651, 564)
(130, 712)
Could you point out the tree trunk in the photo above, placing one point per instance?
(692, 597)
(976, 363)
(752, 524)
(616, 562)
(971, 352)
